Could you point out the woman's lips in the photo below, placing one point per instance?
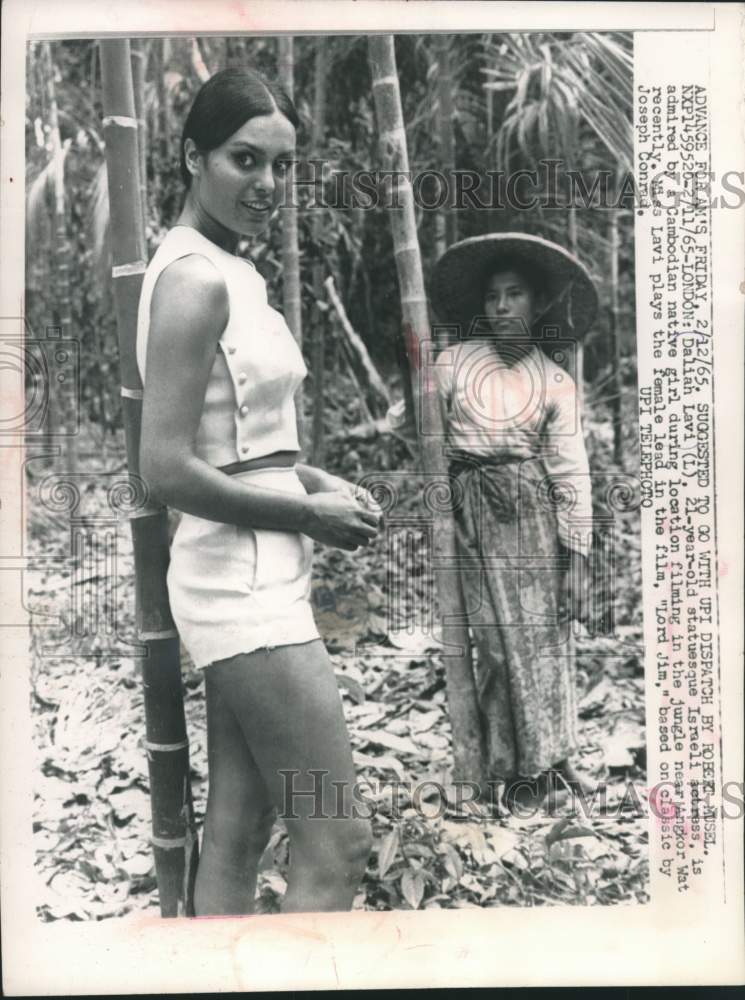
(258, 208)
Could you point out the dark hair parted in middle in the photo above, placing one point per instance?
(226, 102)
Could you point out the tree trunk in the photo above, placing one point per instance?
(291, 298)
(62, 423)
(319, 322)
(359, 350)
(174, 836)
(461, 690)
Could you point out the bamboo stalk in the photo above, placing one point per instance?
(461, 689)
(291, 298)
(174, 837)
(446, 222)
(139, 58)
(319, 330)
(162, 116)
(62, 309)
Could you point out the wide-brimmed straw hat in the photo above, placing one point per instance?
(460, 276)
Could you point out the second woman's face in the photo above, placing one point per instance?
(241, 182)
(510, 304)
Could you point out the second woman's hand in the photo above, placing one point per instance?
(336, 518)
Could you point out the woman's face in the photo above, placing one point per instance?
(240, 183)
(510, 303)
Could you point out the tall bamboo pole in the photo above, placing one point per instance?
(291, 300)
(139, 58)
(162, 112)
(174, 838)
(446, 222)
(461, 689)
(319, 323)
(62, 308)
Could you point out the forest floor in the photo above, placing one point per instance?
(91, 821)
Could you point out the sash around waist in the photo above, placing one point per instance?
(460, 460)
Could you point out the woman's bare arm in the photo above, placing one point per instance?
(189, 312)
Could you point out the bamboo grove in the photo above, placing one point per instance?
(103, 124)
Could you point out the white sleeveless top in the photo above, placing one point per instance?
(249, 407)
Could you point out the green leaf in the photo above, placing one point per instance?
(351, 686)
(453, 862)
(412, 887)
(388, 851)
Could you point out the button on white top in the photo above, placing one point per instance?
(231, 349)
(242, 378)
(243, 410)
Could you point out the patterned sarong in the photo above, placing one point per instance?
(513, 570)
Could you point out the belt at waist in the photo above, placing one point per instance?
(284, 459)
(466, 459)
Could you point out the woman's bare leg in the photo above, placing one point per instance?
(287, 704)
(239, 816)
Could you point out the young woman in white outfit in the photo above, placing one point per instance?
(219, 443)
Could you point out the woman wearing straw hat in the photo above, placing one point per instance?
(516, 305)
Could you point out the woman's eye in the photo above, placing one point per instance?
(282, 166)
(244, 160)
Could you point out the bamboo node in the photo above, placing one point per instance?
(124, 270)
(123, 120)
(166, 633)
(168, 843)
(166, 747)
(382, 80)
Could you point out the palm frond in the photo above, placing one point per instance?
(40, 204)
(97, 225)
(563, 91)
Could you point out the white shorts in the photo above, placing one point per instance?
(234, 590)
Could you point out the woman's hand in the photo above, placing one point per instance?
(319, 481)
(358, 493)
(336, 518)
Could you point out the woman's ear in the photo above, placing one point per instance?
(192, 157)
